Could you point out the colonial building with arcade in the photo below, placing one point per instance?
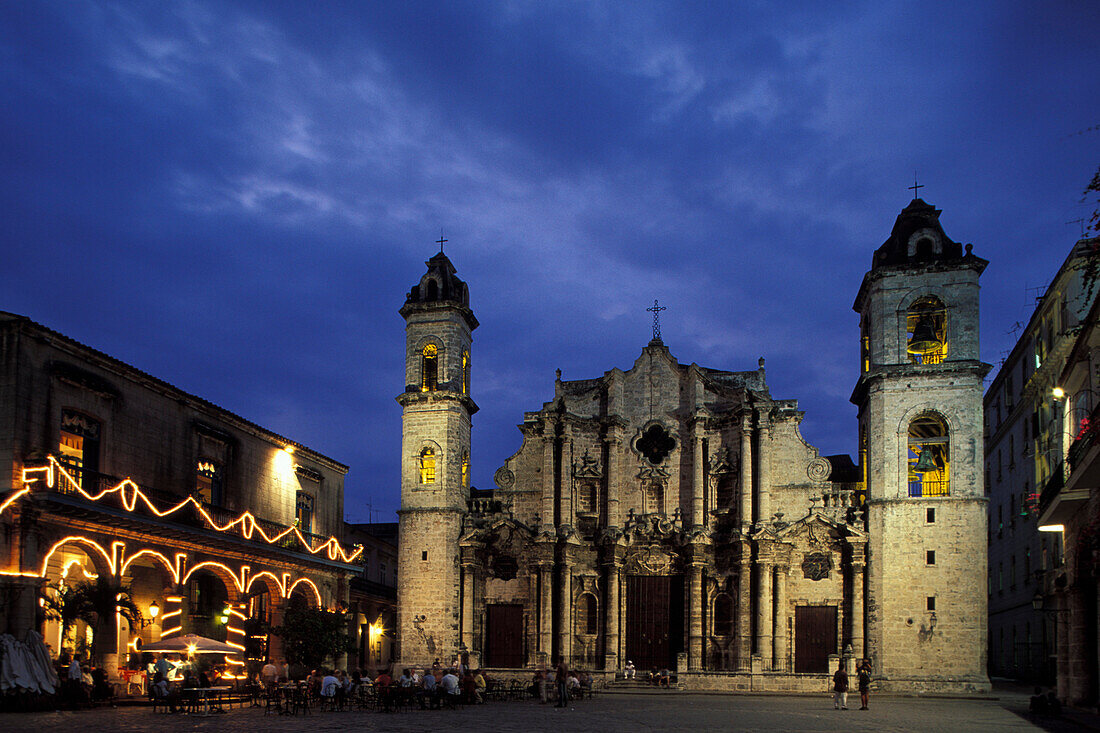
(211, 523)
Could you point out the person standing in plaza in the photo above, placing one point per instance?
(840, 688)
(864, 682)
(561, 678)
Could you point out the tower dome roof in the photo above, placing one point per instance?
(439, 285)
(917, 237)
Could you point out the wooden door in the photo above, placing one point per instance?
(814, 637)
(504, 635)
(654, 620)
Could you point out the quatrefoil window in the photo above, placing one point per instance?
(816, 566)
(655, 444)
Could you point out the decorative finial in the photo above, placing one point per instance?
(916, 187)
(441, 241)
(969, 248)
(656, 311)
(760, 362)
(557, 375)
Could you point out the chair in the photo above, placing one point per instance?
(301, 702)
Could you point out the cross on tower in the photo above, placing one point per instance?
(916, 187)
(656, 311)
(441, 241)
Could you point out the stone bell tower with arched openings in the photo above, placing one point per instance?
(920, 444)
(435, 455)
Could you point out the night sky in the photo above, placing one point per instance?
(236, 197)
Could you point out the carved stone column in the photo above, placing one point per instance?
(565, 497)
(697, 493)
(857, 607)
(611, 617)
(548, 480)
(764, 610)
(746, 472)
(763, 457)
(744, 617)
(468, 570)
(779, 649)
(614, 478)
(695, 624)
(546, 607)
(565, 606)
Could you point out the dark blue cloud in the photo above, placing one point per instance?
(236, 197)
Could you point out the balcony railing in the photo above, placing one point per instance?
(1053, 487)
(929, 488)
(190, 511)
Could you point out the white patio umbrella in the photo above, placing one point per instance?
(190, 644)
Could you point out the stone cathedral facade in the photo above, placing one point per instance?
(673, 515)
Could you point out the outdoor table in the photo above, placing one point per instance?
(202, 694)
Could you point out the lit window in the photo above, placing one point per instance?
(208, 482)
(926, 329)
(79, 445)
(929, 470)
(429, 368)
(465, 372)
(465, 470)
(427, 466)
(865, 345)
(303, 511)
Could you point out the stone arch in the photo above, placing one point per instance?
(269, 580)
(924, 243)
(262, 592)
(223, 573)
(586, 616)
(306, 589)
(104, 563)
(157, 557)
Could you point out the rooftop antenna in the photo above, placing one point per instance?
(1080, 222)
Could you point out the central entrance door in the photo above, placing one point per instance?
(504, 635)
(654, 620)
(814, 637)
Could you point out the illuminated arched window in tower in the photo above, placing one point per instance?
(427, 466)
(929, 457)
(429, 368)
(926, 331)
(465, 470)
(865, 344)
(465, 372)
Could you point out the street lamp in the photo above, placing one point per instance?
(154, 610)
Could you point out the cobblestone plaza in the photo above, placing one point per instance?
(618, 712)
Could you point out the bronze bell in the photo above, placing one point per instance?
(924, 339)
(925, 462)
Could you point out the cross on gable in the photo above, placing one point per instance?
(916, 187)
(656, 311)
(441, 241)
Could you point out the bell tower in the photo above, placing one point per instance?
(435, 455)
(920, 445)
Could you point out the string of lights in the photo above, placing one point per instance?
(130, 493)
